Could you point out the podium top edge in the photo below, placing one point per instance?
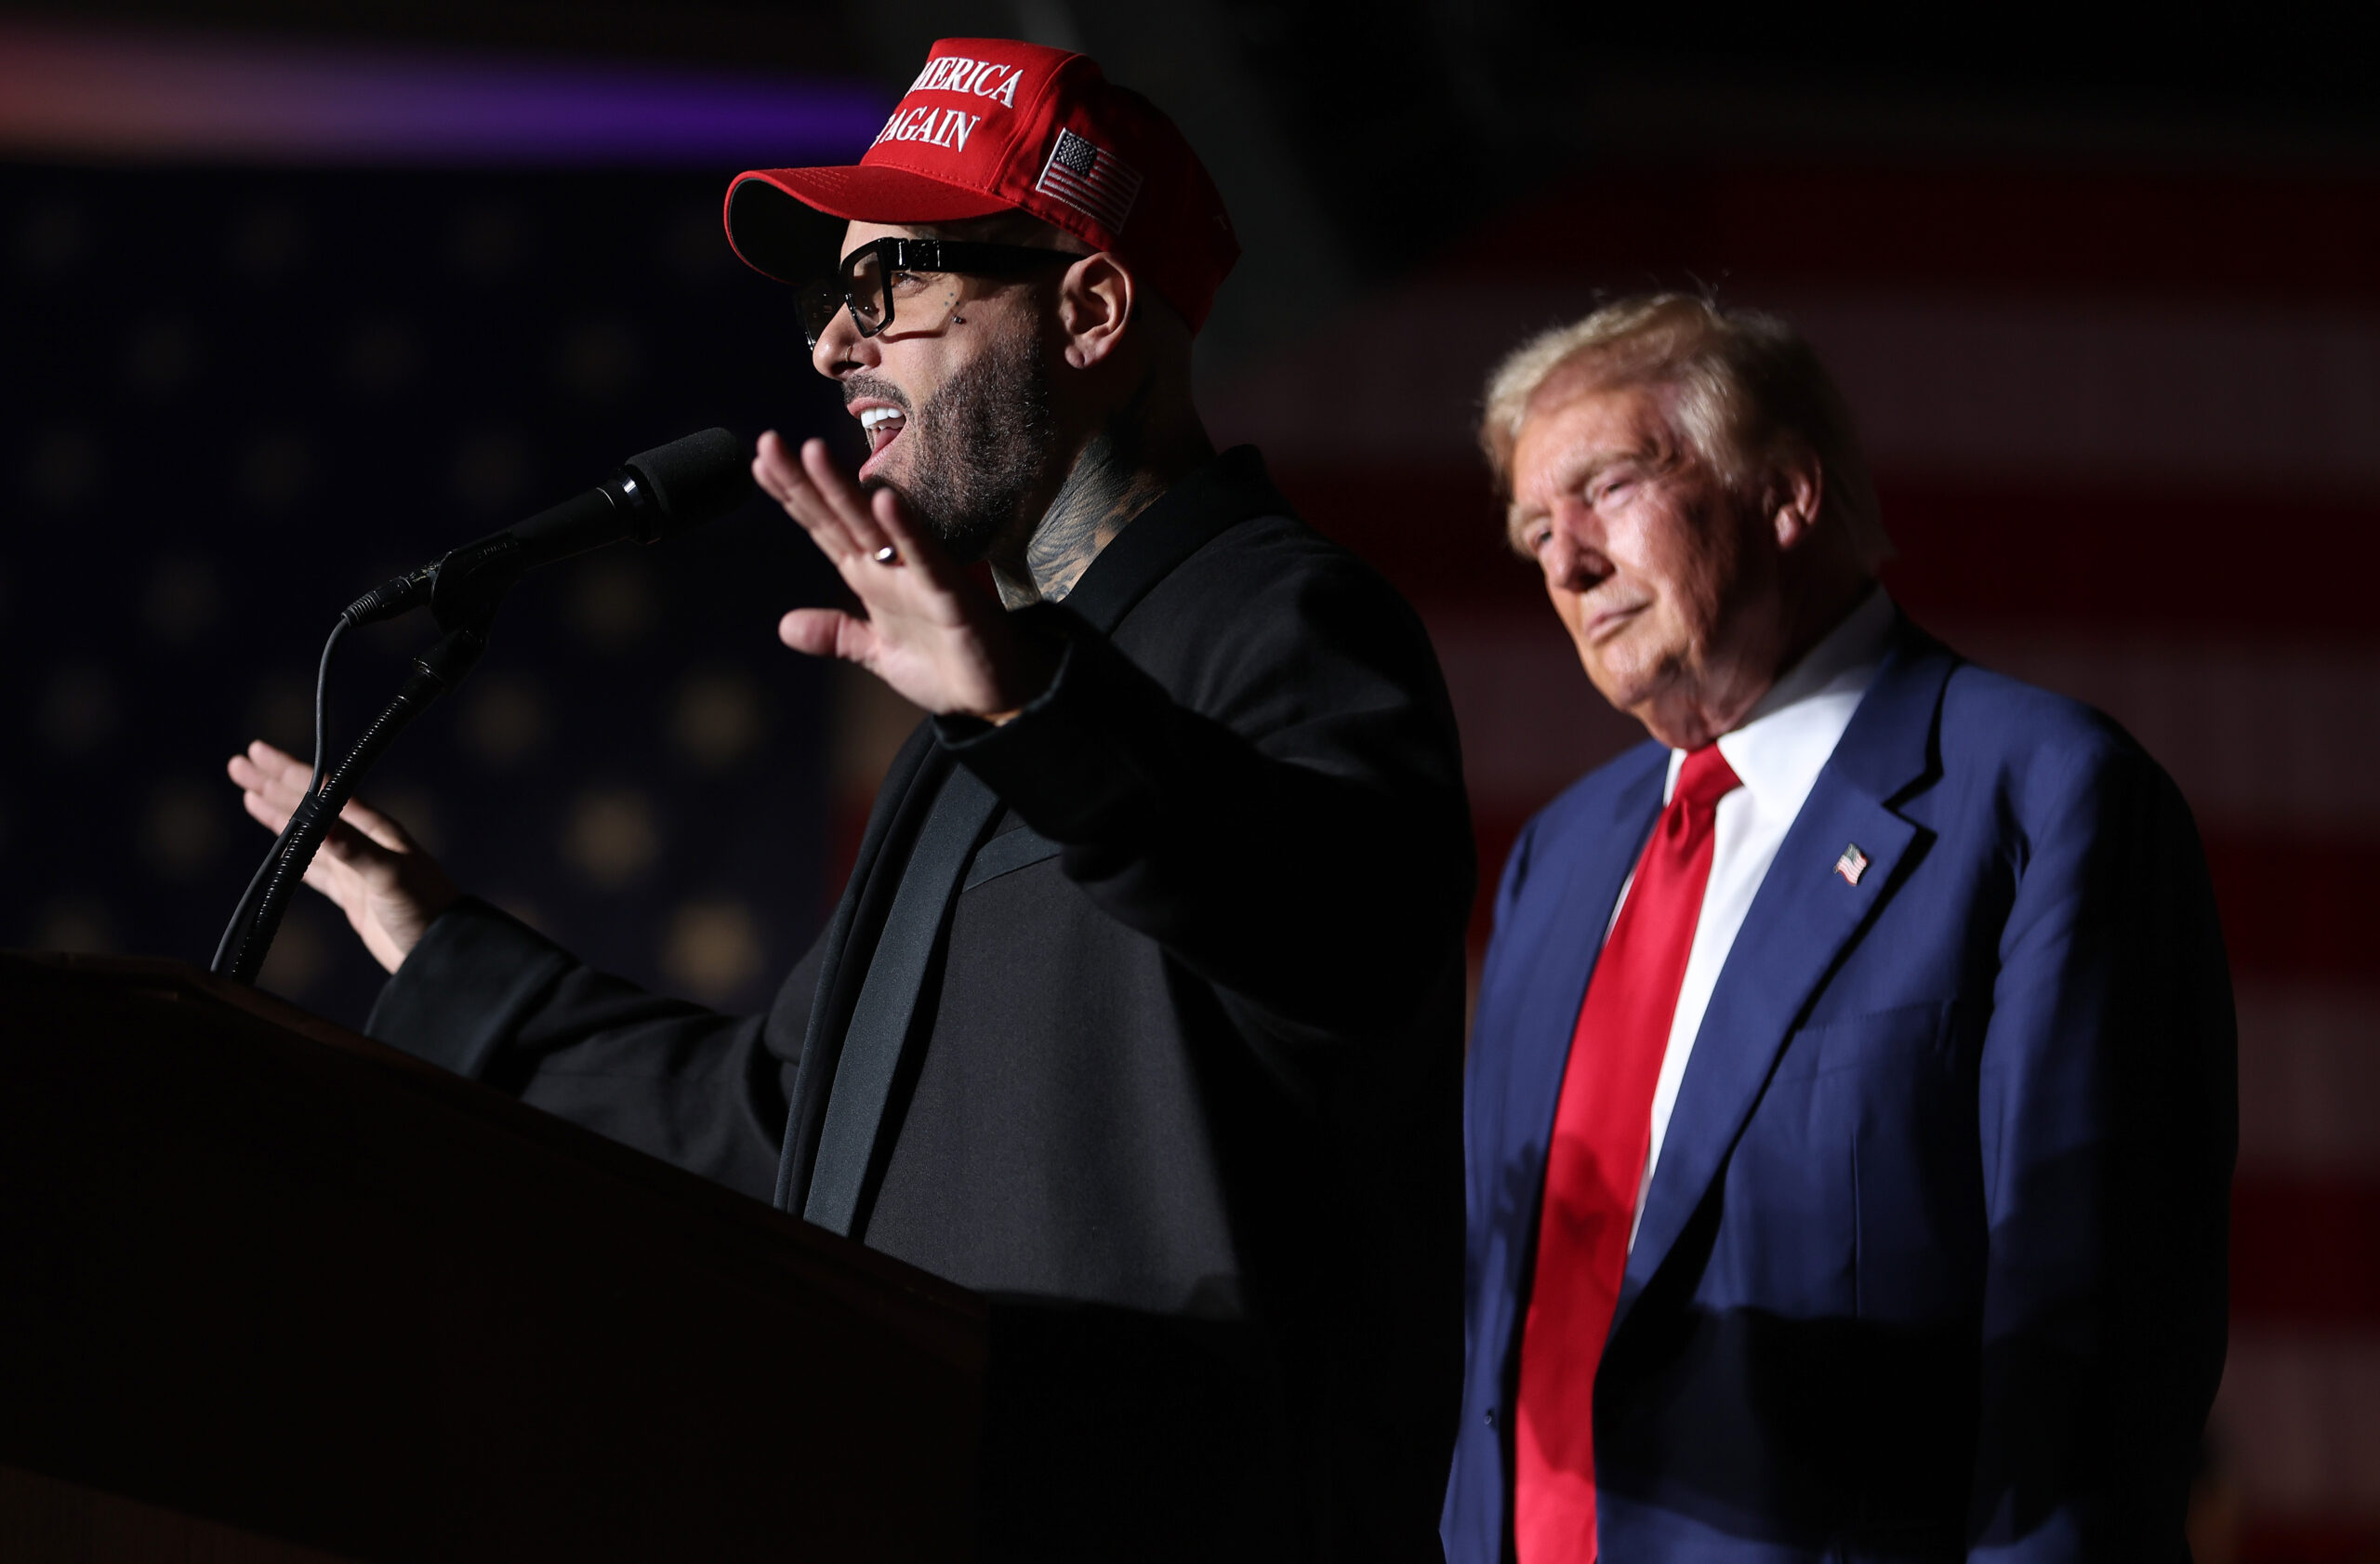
(812, 1250)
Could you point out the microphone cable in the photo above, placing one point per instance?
(688, 482)
(397, 595)
(242, 914)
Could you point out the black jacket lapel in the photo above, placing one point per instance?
(843, 1119)
(909, 788)
(1178, 523)
(883, 1019)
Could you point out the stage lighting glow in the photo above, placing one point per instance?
(152, 96)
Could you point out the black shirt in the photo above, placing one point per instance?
(1183, 1090)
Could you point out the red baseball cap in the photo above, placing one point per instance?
(992, 126)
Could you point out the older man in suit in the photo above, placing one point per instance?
(1851, 1100)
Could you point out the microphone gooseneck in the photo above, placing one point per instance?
(656, 493)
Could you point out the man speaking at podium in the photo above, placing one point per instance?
(1143, 1008)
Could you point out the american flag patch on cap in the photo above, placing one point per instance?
(1092, 180)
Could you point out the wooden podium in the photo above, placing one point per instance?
(302, 1295)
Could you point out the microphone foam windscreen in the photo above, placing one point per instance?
(697, 479)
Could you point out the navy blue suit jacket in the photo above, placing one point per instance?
(1933, 1261)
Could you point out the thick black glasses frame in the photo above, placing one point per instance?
(861, 283)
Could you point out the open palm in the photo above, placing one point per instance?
(390, 889)
(928, 630)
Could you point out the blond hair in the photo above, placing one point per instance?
(1748, 391)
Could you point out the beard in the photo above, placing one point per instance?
(983, 446)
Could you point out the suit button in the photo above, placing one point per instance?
(1488, 1417)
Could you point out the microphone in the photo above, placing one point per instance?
(656, 492)
(659, 491)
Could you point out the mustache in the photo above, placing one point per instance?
(858, 388)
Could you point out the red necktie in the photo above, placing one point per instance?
(1602, 1128)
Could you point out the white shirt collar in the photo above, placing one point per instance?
(1778, 750)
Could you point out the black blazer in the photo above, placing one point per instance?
(1182, 1093)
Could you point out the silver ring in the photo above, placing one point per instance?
(888, 555)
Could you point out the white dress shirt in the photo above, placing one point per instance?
(1777, 753)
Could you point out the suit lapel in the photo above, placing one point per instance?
(1178, 523)
(1569, 942)
(884, 1017)
(1803, 919)
(909, 786)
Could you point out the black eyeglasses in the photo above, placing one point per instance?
(867, 279)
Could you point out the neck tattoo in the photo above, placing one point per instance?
(1104, 491)
(1109, 485)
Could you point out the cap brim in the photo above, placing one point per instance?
(769, 233)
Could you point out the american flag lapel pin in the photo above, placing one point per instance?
(1852, 865)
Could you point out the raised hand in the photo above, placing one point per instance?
(390, 889)
(930, 631)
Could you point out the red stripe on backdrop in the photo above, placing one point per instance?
(1436, 533)
(2297, 907)
(2343, 1542)
(2135, 233)
(2188, 563)
(2305, 1252)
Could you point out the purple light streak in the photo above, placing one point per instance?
(155, 97)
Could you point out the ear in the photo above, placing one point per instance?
(1095, 300)
(1796, 488)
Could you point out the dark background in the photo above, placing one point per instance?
(243, 397)
(2107, 306)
